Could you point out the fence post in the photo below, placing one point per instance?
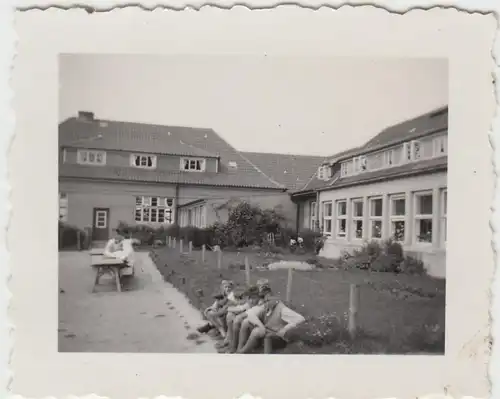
(219, 259)
(289, 285)
(247, 271)
(79, 240)
(353, 309)
(174, 243)
(169, 241)
(190, 247)
(203, 253)
(181, 244)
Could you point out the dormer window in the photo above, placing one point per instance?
(91, 157)
(343, 169)
(192, 164)
(143, 161)
(440, 145)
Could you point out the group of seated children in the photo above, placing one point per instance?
(245, 318)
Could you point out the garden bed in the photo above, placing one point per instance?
(397, 314)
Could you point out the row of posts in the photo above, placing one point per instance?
(354, 294)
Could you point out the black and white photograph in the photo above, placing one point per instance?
(252, 204)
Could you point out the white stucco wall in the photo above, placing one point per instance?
(432, 254)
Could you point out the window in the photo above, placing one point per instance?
(416, 150)
(407, 156)
(389, 158)
(153, 209)
(397, 217)
(444, 215)
(357, 218)
(341, 215)
(101, 219)
(362, 163)
(91, 157)
(194, 216)
(440, 145)
(376, 213)
(321, 173)
(63, 207)
(327, 218)
(343, 169)
(193, 164)
(143, 161)
(423, 217)
(312, 216)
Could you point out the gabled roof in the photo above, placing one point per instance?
(157, 139)
(419, 126)
(292, 171)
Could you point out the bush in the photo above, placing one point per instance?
(142, 232)
(411, 265)
(68, 236)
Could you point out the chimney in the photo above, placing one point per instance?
(85, 116)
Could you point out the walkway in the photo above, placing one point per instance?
(148, 316)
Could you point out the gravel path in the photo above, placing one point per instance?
(148, 316)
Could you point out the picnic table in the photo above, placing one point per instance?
(106, 265)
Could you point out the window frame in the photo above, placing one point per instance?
(393, 218)
(146, 207)
(372, 219)
(444, 216)
(189, 160)
(81, 161)
(356, 218)
(140, 156)
(326, 217)
(339, 218)
(417, 217)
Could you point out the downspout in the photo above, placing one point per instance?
(297, 220)
(176, 202)
(317, 225)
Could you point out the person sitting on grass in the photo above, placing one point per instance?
(216, 313)
(236, 314)
(271, 322)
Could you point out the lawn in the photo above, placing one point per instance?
(397, 313)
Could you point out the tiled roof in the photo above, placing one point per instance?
(408, 130)
(292, 171)
(157, 139)
(428, 165)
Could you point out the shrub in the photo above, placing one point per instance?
(144, 233)
(395, 249)
(68, 236)
(385, 263)
(411, 265)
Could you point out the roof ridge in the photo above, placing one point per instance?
(260, 171)
(282, 153)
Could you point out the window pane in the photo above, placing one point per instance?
(145, 215)
(424, 204)
(168, 216)
(424, 230)
(154, 213)
(170, 201)
(186, 164)
(328, 226)
(154, 201)
(357, 209)
(358, 229)
(398, 207)
(150, 162)
(328, 209)
(376, 207)
(137, 160)
(376, 229)
(341, 224)
(138, 213)
(341, 208)
(138, 200)
(398, 230)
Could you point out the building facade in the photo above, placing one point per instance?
(394, 187)
(112, 172)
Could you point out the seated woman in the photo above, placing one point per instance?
(122, 249)
(271, 322)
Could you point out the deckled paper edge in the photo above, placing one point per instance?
(8, 119)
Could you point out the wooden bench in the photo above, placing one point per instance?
(104, 265)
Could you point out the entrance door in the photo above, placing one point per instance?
(100, 225)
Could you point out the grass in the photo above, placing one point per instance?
(397, 313)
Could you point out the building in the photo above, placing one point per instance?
(112, 171)
(394, 186)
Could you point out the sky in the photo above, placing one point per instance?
(299, 105)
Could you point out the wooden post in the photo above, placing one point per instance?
(247, 271)
(190, 247)
(353, 309)
(169, 241)
(181, 244)
(219, 259)
(174, 243)
(79, 240)
(203, 249)
(289, 285)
